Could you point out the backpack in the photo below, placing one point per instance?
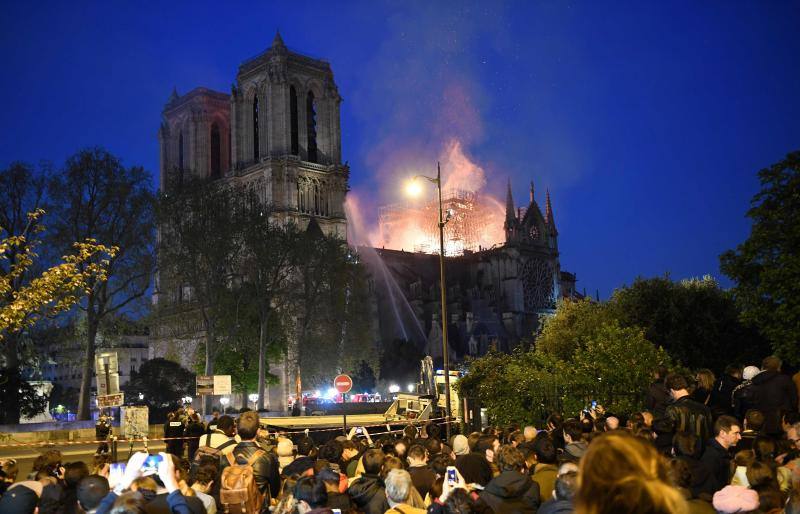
(238, 492)
(210, 451)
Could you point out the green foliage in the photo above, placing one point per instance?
(766, 266)
(587, 355)
(694, 320)
(162, 382)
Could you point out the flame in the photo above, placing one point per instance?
(476, 217)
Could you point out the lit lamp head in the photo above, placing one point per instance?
(413, 188)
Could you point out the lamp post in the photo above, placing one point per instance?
(414, 189)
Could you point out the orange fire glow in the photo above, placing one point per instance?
(475, 217)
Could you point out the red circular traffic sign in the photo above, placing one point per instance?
(343, 383)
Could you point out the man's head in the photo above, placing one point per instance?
(398, 486)
(545, 450)
(311, 492)
(573, 431)
(433, 445)
(226, 425)
(529, 433)
(349, 449)
(647, 418)
(247, 425)
(416, 455)
(90, 491)
(753, 420)
(660, 373)
(566, 485)
(734, 371)
(373, 461)
(487, 446)
(509, 458)
(728, 431)
(793, 435)
(685, 444)
(677, 385)
(612, 423)
(771, 363)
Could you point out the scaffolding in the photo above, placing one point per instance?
(465, 231)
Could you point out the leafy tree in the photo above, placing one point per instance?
(694, 320)
(527, 385)
(161, 382)
(29, 292)
(95, 198)
(766, 266)
(267, 267)
(198, 253)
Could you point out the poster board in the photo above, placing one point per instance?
(222, 384)
(135, 422)
(204, 384)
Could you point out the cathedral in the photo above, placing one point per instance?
(277, 133)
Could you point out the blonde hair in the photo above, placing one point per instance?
(705, 379)
(621, 474)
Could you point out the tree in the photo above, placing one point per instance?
(96, 198)
(267, 267)
(28, 293)
(694, 320)
(585, 365)
(199, 250)
(161, 384)
(766, 266)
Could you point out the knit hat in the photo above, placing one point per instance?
(735, 498)
(749, 372)
(21, 498)
(460, 445)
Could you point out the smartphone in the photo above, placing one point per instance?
(115, 472)
(452, 477)
(359, 430)
(336, 511)
(150, 466)
(594, 404)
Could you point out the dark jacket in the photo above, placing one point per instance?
(717, 461)
(339, 501)
(657, 398)
(557, 507)
(474, 468)
(743, 398)
(162, 504)
(721, 395)
(699, 474)
(511, 492)
(690, 416)
(369, 494)
(423, 478)
(265, 468)
(174, 428)
(774, 391)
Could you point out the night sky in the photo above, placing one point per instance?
(648, 121)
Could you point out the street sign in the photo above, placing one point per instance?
(110, 400)
(343, 383)
(222, 384)
(205, 384)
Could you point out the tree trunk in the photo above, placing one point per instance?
(84, 398)
(12, 401)
(262, 349)
(209, 367)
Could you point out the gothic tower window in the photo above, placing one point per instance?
(293, 114)
(255, 128)
(216, 164)
(311, 122)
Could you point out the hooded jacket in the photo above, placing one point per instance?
(557, 507)
(511, 492)
(774, 391)
(369, 494)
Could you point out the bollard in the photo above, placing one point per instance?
(113, 448)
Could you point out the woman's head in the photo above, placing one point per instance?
(705, 379)
(621, 474)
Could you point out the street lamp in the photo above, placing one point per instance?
(253, 397)
(414, 189)
(224, 401)
(394, 388)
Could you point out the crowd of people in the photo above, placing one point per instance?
(703, 444)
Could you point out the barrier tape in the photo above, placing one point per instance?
(276, 430)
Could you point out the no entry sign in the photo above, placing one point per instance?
(343, 383)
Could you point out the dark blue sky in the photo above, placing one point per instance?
(647, 121)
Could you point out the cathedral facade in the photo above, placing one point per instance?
(277, 133)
